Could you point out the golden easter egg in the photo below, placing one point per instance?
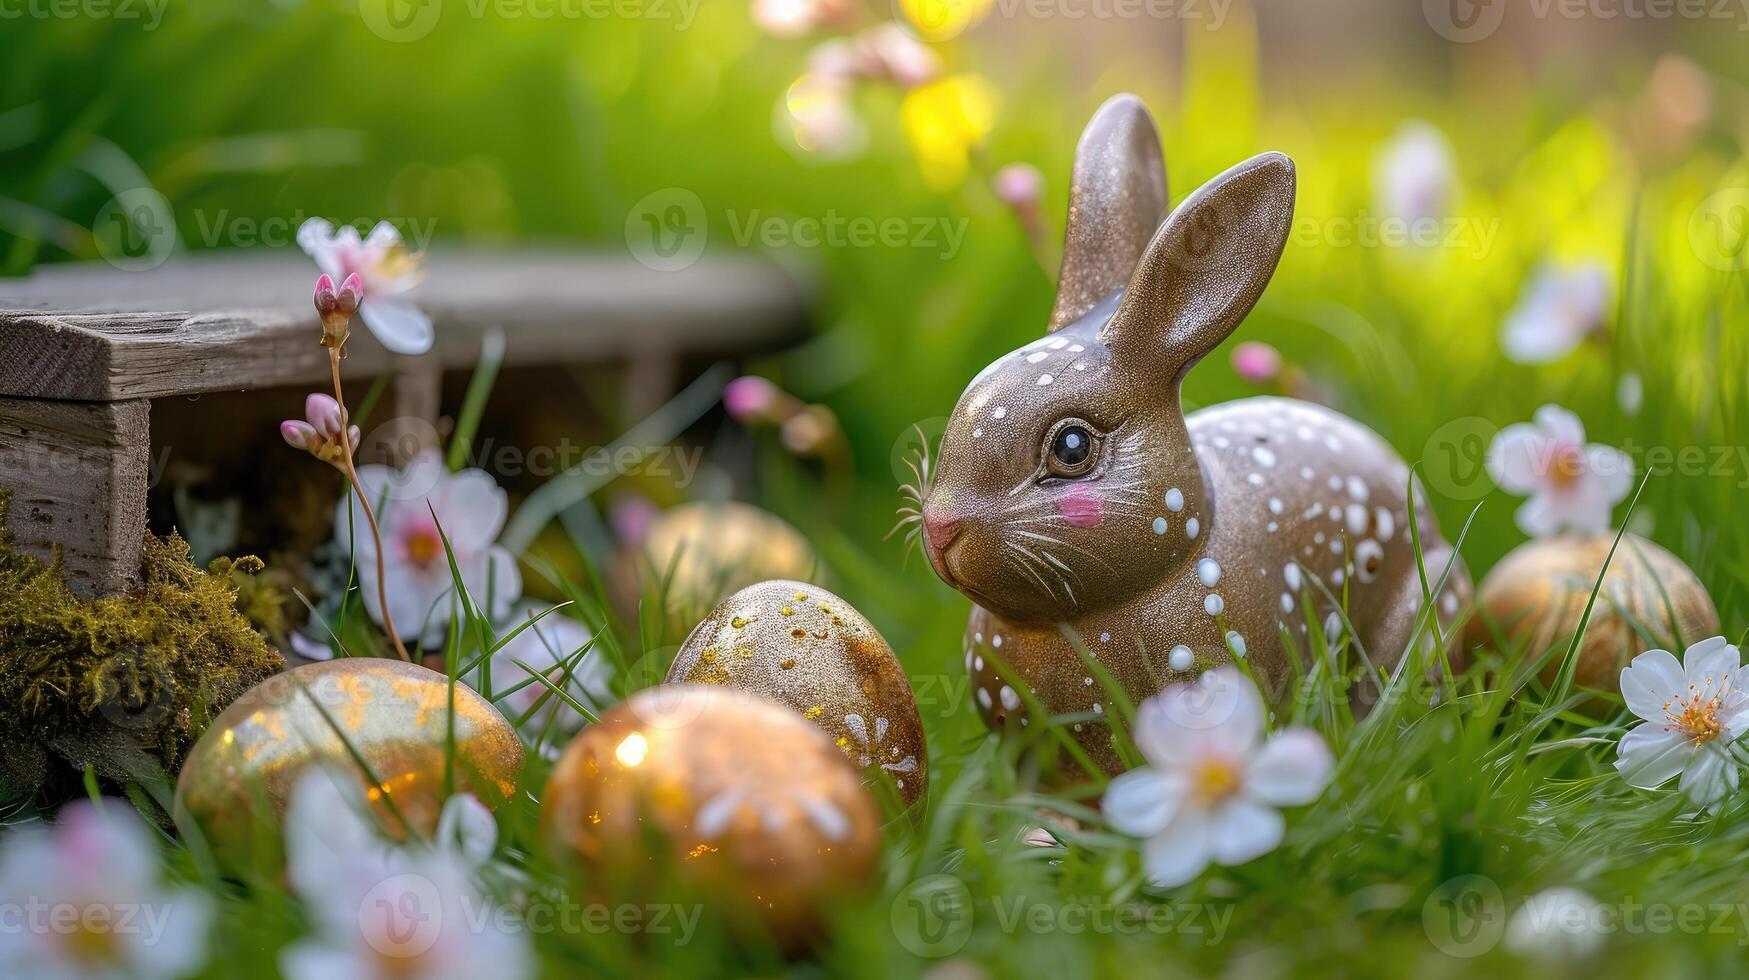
(351, 714)
(1536, 596)
(707, 550)
(811, 651)
(719, 792)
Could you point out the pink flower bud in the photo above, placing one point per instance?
(326, 300)
(324, 415)
(299, 435)
(351, 295)
(1256, 362)
(750, 397)
(1020, 186)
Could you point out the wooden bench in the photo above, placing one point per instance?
(86, 348)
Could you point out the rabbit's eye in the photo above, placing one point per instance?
(1071, 452)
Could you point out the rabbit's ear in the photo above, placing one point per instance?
(1206, 267)
(1115, 204)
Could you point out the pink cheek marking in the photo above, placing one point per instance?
(1081, 507)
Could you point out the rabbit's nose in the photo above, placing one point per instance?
(940, 526)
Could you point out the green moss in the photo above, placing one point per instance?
(122, 683)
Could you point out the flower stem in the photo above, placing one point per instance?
(369, 516)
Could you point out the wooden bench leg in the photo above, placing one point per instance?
(78, 473)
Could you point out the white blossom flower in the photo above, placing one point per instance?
(1558, 310)
(1556, 924)
(90, 903)
(1571, 485)
(1691, 713)
(1211, 785)
(388, 272)
(1414, 174)
(551, 642)
(383, 911)
(411, 504)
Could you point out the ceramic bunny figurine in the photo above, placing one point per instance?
(1072, 495)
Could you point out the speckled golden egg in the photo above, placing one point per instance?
(394, 715)
(1537, 594)
(722, 546)
(751, 807)
(809, 650)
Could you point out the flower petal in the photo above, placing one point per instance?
(1710, 775)
(1514, 458)
(467, 827)
(1560, 425)
(472, 508)
(1292, 769)
(383, 236)
(1712, 659)
(1610, 471)
(316, 238)
(1648, 755)
(1547, 513)
(1180, 852)
(1651, 681)
(1142, 802)
(1243, 830)
(399, 326)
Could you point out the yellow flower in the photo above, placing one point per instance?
(944, 121)
(939, 20)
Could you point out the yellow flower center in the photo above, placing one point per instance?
(1696, 716)
(1567, 466)
(92, 943)
(1213, 779)
(423, 548)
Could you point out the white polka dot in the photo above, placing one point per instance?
(1318, 538)
(1174, 500)
(996, 641)
(1221, 442)
(1386, 525)
(1010, 699)
(1275, 505)
(1181, 659)
(1079, 366)
(1336, 577)
(1159, 525)
(1449, 603)
(1356, 520)
(984, 697)
(1369, 556)
(1035, 358)
(979, 637)
(1336, 546)
(1208, 571)
(1105, 637)
(1263, 456)
(1335, 512)
(1213, 604)
(1255, 479)
(1287, 603)
(1357, 489)
(1333, 444)
(1098, 709)
(1271, 527)
(1059, 344)
(1291, 573)
(1192, 528)
(1088, 681)
(1334, 483)
(1237, 642)
(977, 433)
(978, 663)
(1076, 348)
(1306, 473)
(1001, 412)
(1045, 379)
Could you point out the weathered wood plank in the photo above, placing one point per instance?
(234, 321)
(78, 475)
